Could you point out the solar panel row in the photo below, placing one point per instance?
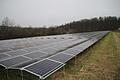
(25, 51)
(43, 60)
(46, 49)
(61, 57)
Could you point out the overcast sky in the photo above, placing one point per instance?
(56, 12)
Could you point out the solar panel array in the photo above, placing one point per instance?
(42, 56)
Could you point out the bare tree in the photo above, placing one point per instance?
(7, 22)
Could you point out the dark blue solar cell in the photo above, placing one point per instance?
(61, 57)
(14, 61)
(17, 52)
(36, 54)
(3, 56)
(49, 50)
(44, 68)
(72, 51)
(26, 63)
(31, 49)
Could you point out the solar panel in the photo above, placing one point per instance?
(62, 46)
(61, 57)
(88, 43)
(84, 45)
(44, 68)
(17, 52)
(4, 50)
(58, 47)
(42, 57)
(67, 44)
(78, 47)
(31, 49)
(19, 66)
(36, 54)
(3, 56)
(14, 61)
(17, 47)
(49, 50)
(72, 51)
(43, 46)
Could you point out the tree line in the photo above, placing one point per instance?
(10, 31)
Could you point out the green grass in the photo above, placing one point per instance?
(99, 62)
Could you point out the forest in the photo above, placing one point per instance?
(8, 31)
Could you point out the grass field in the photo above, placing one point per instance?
(99, 62)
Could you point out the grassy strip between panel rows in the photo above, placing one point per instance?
(99, 62)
